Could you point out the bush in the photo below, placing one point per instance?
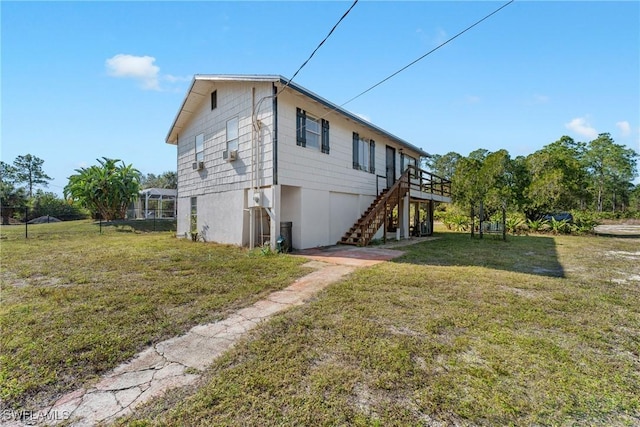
(537, 225)
(562, 226)
(515, 224)
(50, 204)
(584, 222)
(455, 221)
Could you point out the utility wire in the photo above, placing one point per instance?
(318, 47)
(257, 107)
(426, 54)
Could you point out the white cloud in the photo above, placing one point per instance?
(440, 37)
(580, 126)
(540, 99)
(625, 128)
(436, 38)
(472, 99)
(140, 68)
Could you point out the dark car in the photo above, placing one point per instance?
(560, 216)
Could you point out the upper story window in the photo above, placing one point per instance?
(364, 154)
(214, 99)
(312, 132)
(406, 161)
(200, 147)
(232, 134)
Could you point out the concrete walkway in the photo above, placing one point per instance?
(178, 361)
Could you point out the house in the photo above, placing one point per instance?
(258, 152)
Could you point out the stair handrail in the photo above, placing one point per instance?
(404, 178)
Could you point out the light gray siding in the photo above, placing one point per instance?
(218, 175)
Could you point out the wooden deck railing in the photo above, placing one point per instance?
(428, 182)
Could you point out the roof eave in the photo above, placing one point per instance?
(168, 139)
(172, 136)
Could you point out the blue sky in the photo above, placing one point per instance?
(83, 80)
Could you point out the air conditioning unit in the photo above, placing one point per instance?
(197, 166)
(230, 155)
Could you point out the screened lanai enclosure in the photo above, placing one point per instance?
(154, 203)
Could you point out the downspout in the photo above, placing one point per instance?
(275, 135)
(253, 161)
(274, 178)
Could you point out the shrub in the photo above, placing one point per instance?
(537, 225)
(50, 204)
(560, 226)
(584, 222)
(515, 224)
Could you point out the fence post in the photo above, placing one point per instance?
(26, 222)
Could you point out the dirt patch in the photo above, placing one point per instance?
(618, 230)
(11, 279)
(624, 254)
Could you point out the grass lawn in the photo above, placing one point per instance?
(535, 331)
(76, 303)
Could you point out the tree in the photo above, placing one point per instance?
(105, 189)
(612, 168)
(443, 166)
(11, 199)
(557, 178)
(499, 182)
(167, 179)
(467, 187)
(7, 173)
(28, 171)
(634, 200)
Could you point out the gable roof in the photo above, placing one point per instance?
(198, 91)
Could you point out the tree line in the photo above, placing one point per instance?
(563, 176)
(102, 191)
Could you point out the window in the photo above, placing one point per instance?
(232, 134)
(312, 132)
(406, 161)
(194, 215)
(214, 99)
(364, 151)
(200, 147)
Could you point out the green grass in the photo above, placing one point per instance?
(76, 303)
(534, 331)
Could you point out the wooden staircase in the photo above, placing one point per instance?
(373, 218)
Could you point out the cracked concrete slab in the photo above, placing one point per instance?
(125, 380)
(166, 365)
(194, 351)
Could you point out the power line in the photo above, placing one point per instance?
(428, 53)
(257, 107)
(319, 45)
